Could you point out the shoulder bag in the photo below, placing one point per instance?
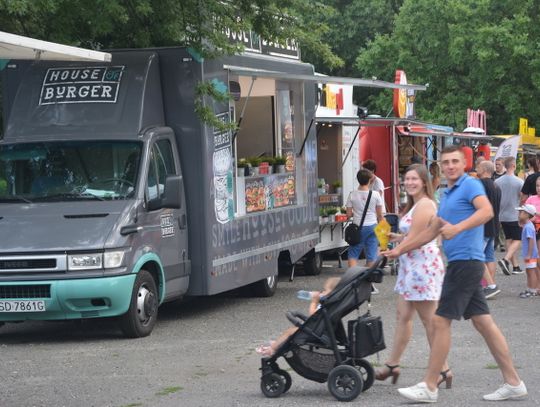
(352, 232)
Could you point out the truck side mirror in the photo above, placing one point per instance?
(171, 194)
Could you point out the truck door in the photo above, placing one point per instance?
(167, 226)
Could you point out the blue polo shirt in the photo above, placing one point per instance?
(455, 206)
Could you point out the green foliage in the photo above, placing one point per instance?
(481, 54)
(242, 163)
(199, 24)
(203, 91)
(331, 210)
(279, 160)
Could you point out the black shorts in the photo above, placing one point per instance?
(462, 293)
(511, 230)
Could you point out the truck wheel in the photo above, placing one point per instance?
(313, 263)
(265, 287)
(141, 316)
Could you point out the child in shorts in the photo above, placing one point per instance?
(529, 249)
(268, 350)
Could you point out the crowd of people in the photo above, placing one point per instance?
(447, 266)
(466, 217)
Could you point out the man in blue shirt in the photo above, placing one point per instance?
(463, 211)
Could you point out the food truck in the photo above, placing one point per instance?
(337, 163)
(115, 196)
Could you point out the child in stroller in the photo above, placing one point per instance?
(319, 349)
(329, 285)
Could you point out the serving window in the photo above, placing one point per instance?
(268, 171)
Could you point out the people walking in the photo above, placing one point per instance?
(510, 186)
(420, 273)
(369, 202)
(485, 171)
(529, 249)
(463, 210)
(377, 184)
(529, 188)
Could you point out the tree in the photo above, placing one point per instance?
(473, 53)
(148, 23)
(199, 24)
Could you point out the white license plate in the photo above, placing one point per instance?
(22, 306)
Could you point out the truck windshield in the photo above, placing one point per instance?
(68, 171)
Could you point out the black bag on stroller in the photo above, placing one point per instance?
(321, 350)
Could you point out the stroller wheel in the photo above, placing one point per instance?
(272, 385)
(345, 383)
(366, 371)
(286, 377)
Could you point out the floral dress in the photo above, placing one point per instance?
(421, 271)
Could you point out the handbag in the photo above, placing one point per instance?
(366, 336)
(352, 231)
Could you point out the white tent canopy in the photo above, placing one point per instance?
(18, 47)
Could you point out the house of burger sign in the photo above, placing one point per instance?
(81, 85)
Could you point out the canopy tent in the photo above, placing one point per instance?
(18, 47)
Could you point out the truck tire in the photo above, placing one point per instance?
(313, 263)
(265, 287)
(141, 316)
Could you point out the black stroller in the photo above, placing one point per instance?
(321, 350)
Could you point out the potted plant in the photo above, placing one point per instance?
(331, 212)
(321, 187)
(254, 161)
(323, 216)
(279, 164)
(241, 166)
(337, 187)
(270, 161)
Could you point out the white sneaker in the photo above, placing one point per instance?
(419, 393)
(507, 392)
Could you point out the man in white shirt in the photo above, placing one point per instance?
(378, 184)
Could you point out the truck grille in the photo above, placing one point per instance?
(27, 264)
(25, 291)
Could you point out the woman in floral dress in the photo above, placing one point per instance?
(420, 273)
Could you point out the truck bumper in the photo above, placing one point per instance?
(73, 299)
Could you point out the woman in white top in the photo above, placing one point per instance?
(355, 208)
(420, 274)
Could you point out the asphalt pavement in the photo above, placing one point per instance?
(201, 353)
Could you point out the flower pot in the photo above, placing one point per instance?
(332, 218)
(279, 169)
(338, 190)
(254, 171)
(322, 191)
(240, 171)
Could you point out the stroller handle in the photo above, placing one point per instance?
(380, 262)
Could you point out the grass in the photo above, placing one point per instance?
(169, 390)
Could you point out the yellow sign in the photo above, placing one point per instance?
(523, 126)
(528, 134)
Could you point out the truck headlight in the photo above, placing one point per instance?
(85, 261)
(113, 259)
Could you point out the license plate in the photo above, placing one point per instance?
(22, 306)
